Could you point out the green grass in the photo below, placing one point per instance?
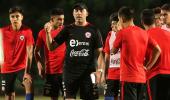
(39, 98)
(23, 98)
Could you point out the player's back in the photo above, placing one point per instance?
(134, 44)
(162, 37)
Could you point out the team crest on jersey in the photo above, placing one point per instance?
(21, 37)
(88, 34)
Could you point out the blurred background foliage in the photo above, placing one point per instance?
(36, 13)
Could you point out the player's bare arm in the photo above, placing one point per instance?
(39, 61)
(29, 62)
(101, 66)
(114, 50)
(155, 55)
(107, 57)
(51, 45)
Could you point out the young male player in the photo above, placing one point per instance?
(158, 77)
(133, 42)
(18, 47)
(112, 62)
(54, 60)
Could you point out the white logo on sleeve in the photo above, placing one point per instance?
(21, 37)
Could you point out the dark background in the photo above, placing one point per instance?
(36, 15)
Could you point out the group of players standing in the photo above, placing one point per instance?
(136, 61)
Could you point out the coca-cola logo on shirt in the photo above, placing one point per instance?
(83, 52)
(76, 43)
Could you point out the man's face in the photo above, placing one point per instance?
(166, 15)
(114, 25)
(57, 20)
(16, 18)
(120, 22)
(80, 15)
(158, 20)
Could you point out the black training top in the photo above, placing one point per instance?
(81, 43)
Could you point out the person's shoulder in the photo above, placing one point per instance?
(92, 26)
(69, 25)
(137, 28)
(26, 28)
(5, 28)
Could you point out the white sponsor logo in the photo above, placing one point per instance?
(115, 60)
(76, 43)
(21, 37)
(88, 34)
(83, 52)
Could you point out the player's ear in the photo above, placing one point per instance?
(87, 13)
(22, 17)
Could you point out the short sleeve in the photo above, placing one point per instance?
(30, 39)
(151, 42)
(98, 40)
(106, 46)
(39, 41)
(118, 41)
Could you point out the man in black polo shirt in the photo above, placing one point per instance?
(83, 44)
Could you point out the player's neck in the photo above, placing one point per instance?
(78, 23)
(16, 27)
(149, 26)
(127, 24)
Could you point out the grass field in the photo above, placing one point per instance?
(40, 98)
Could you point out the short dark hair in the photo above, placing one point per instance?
(113, 17)
(157, 10)
(147, 16)
(126, 12)
(166, 7)
(16, 9)
(56, 11)
(80, 5)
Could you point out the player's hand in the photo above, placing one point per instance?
(98, 76)
(147, 68)
(41, 70)
(48, 27)
(27, 77)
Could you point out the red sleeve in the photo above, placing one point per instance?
(30, 39)
(39, 41)
(151, 42)
(107, 47)
(118, 41)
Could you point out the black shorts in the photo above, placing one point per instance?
(53, 85)
(132, 91)
(159, 87)
(8, 81)
(72, 83)
(112, 88)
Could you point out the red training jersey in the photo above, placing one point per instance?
(114, 63)
(133, 42)
(14, 45)
(162, 66)
(53, 59)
